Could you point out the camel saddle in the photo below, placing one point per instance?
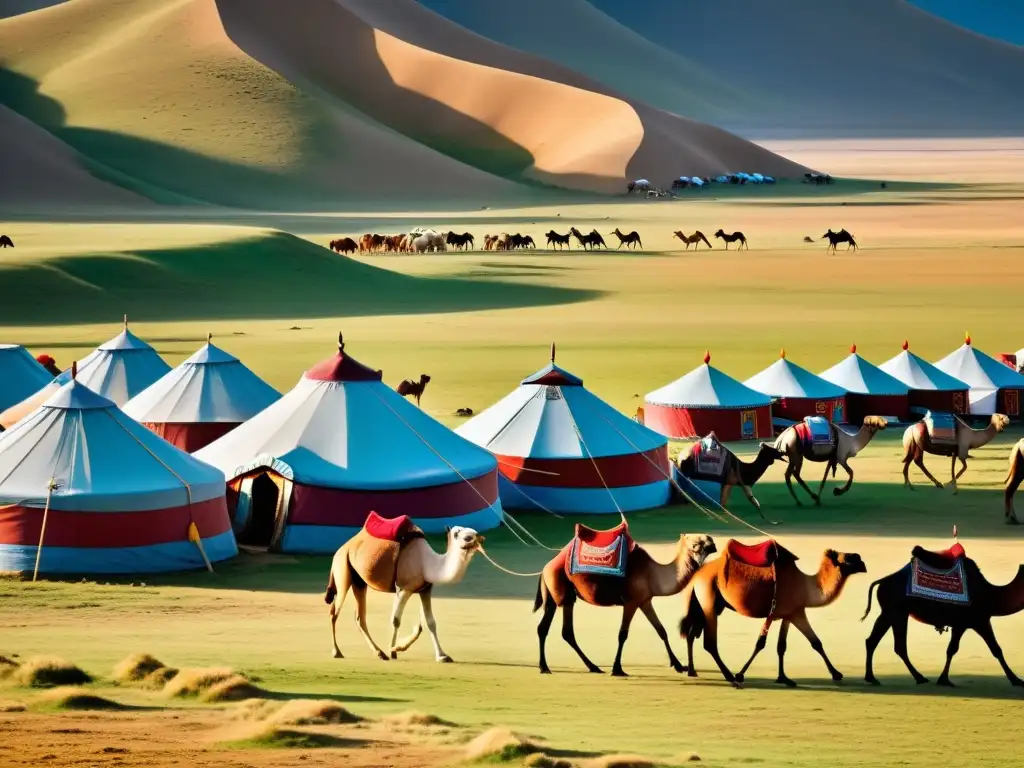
(941, 428)
(762, 555)
(939, 576)
(374, 551)
(596, 564)
(816, 435)
(709, 457)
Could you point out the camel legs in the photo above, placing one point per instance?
(401, 599)
(782, 679)
(569, 635)
(427, 611)
(824, 478)
(1011, 489)
(799, 620)
(989, 636)
(359, 593)
(628, 612)
(648, 610)
(899, 636)
(762, 641)
(882, 625)
(542, 632)
(849, 479)
(342, 585)
(707, 604)
(953, 474)
(793, 470)
(749, 493)
(918, 460)
(951, 650)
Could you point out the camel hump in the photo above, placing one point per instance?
(762, 555)
(939, 559)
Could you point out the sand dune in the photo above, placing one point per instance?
(10, 8)
(847, 67)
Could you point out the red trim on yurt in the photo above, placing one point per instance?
(312, 505)
(556, 378)
(940, 401)
(617, 471)
(726, 423)
(797, 408)
(191, 437)
(342, 367)
(107, 530)
(859, 406)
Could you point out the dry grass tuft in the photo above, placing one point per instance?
(500, 745)
(46, 672)
(212, 684)
(539, 760)
(12, 706)
(271, 737)
(417, 720)
(75, 698)
(159, 678)
(137, 668)
(312, 712)
(690, 757)
(234, 688)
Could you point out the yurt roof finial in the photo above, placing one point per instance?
(74, 369)
(341, 342)
(209, 337)
(707, 357)
(906, 345)
(552, 351)
(967, 338)
(782, 353)
(126, 321)
(853, 349)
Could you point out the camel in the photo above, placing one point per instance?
(644, 580)
(460, 242)
(985, 601)
(413, 387)
(585, 241)
(562, 241)
(917, 442)
(527, 242)
(695, 239)
(733, 238)
(596, 239)
(844, 447)
(763, 582)
(6, 242)
(632, 239)
(1013, 480)
(842, 236)
(737, 472)
(416, 569)
(344, 245)
(428, 241)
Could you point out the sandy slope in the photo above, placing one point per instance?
(852, 67)
(157, 90)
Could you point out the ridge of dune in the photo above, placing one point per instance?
(919, 76)
(10, 8)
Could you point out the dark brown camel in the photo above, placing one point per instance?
(1013, 481)
(985, 601)
(630, 240)
(562, 241)
(6, 242)
(732, 239)
(586, 241)
(414, 388)
(842, 236)
(736, 471)
(344, 245)
(695, 239)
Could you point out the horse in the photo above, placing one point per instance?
(733, 238)
(695, 239)
(632, 239)
(344, 245)
(842, 236)
(556, 239)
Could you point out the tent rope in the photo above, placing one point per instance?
(504, 569)
(579, 436)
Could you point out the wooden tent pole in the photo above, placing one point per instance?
(50, 488)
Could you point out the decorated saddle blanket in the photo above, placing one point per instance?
(941, 428)
(374, 551)
(596, 564)
(939, 576)
(816, 435)
(709, 458)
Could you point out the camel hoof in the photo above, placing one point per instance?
(940, 486)
(337, 654)
(679, 669)
(837, 491)
(619, 673)
(736, 684)
(872, 681)
(786, 682)
(837, 677)
(382, 656)
(922, 680)
(739, 677)
(446, 659)
(545, 671)
(1016, 682)
(817, 501)
(394, 654)
(945, 682)
(595, 670)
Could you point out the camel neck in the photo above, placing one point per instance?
(751, 472)
(1009, 598)
(670, 578)
(828, 584)
(448, 568)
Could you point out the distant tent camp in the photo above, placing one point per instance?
(930, 388)
(305, 472)
(561, 448)
(995, 388)
(799, 392)
(870, 391)
(707, 400)
(202, 399)
(20, 375)
(122, 367)
(123, 500)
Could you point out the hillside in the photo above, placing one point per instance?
(999, 19)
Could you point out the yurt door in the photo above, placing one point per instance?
(243, 509)
(284, 503)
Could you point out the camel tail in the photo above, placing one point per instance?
(1014, 461)
(332, 589)
(538, 601)
(868, 610)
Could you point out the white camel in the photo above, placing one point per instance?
(415, 570)
(429, 241)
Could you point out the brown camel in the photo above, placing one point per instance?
(917, 441)
(644, 580)
(1013, 481)
(736, 471)
(842, 236)
(732, 239)
(844, 446)
(404, 565)
(695, 239)
(414, 388)
(344, 245)
(763, 582)
(562, 241)
(632, 239)
(985, 600)
(6, 242)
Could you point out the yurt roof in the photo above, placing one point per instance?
(855, 374)
(784, 378)
(707, 387)
(918, 373)
(210, 386)
(100, 459)
(122, 367)
(551, 415)
(978, 370)
(342, 427)
(20, 375)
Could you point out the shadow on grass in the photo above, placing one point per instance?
(976, 687)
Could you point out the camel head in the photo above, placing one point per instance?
(720, 233)
(848, 563)
(827, 234)
(679, 234)
(465, 539)
(697, 546)
(875, 423)
(1000, 421)
(424, 379)
(769, 449)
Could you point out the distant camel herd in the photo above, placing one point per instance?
(429, 241)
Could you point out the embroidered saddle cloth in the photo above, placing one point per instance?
(596, 564)
(709, 457)
(374, 551)
(816, 434)
(941, 428)
(939, 575)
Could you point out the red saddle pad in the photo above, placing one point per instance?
(386, 528)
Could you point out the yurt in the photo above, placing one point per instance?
(91, 491)
(798, 393)
(563, 449)
(994, 387)
(202, 399)
(930, 388)
(870, 391)
(20, 410)
(122, 367)
(20, 375)
(707, 400)
(304, 473)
